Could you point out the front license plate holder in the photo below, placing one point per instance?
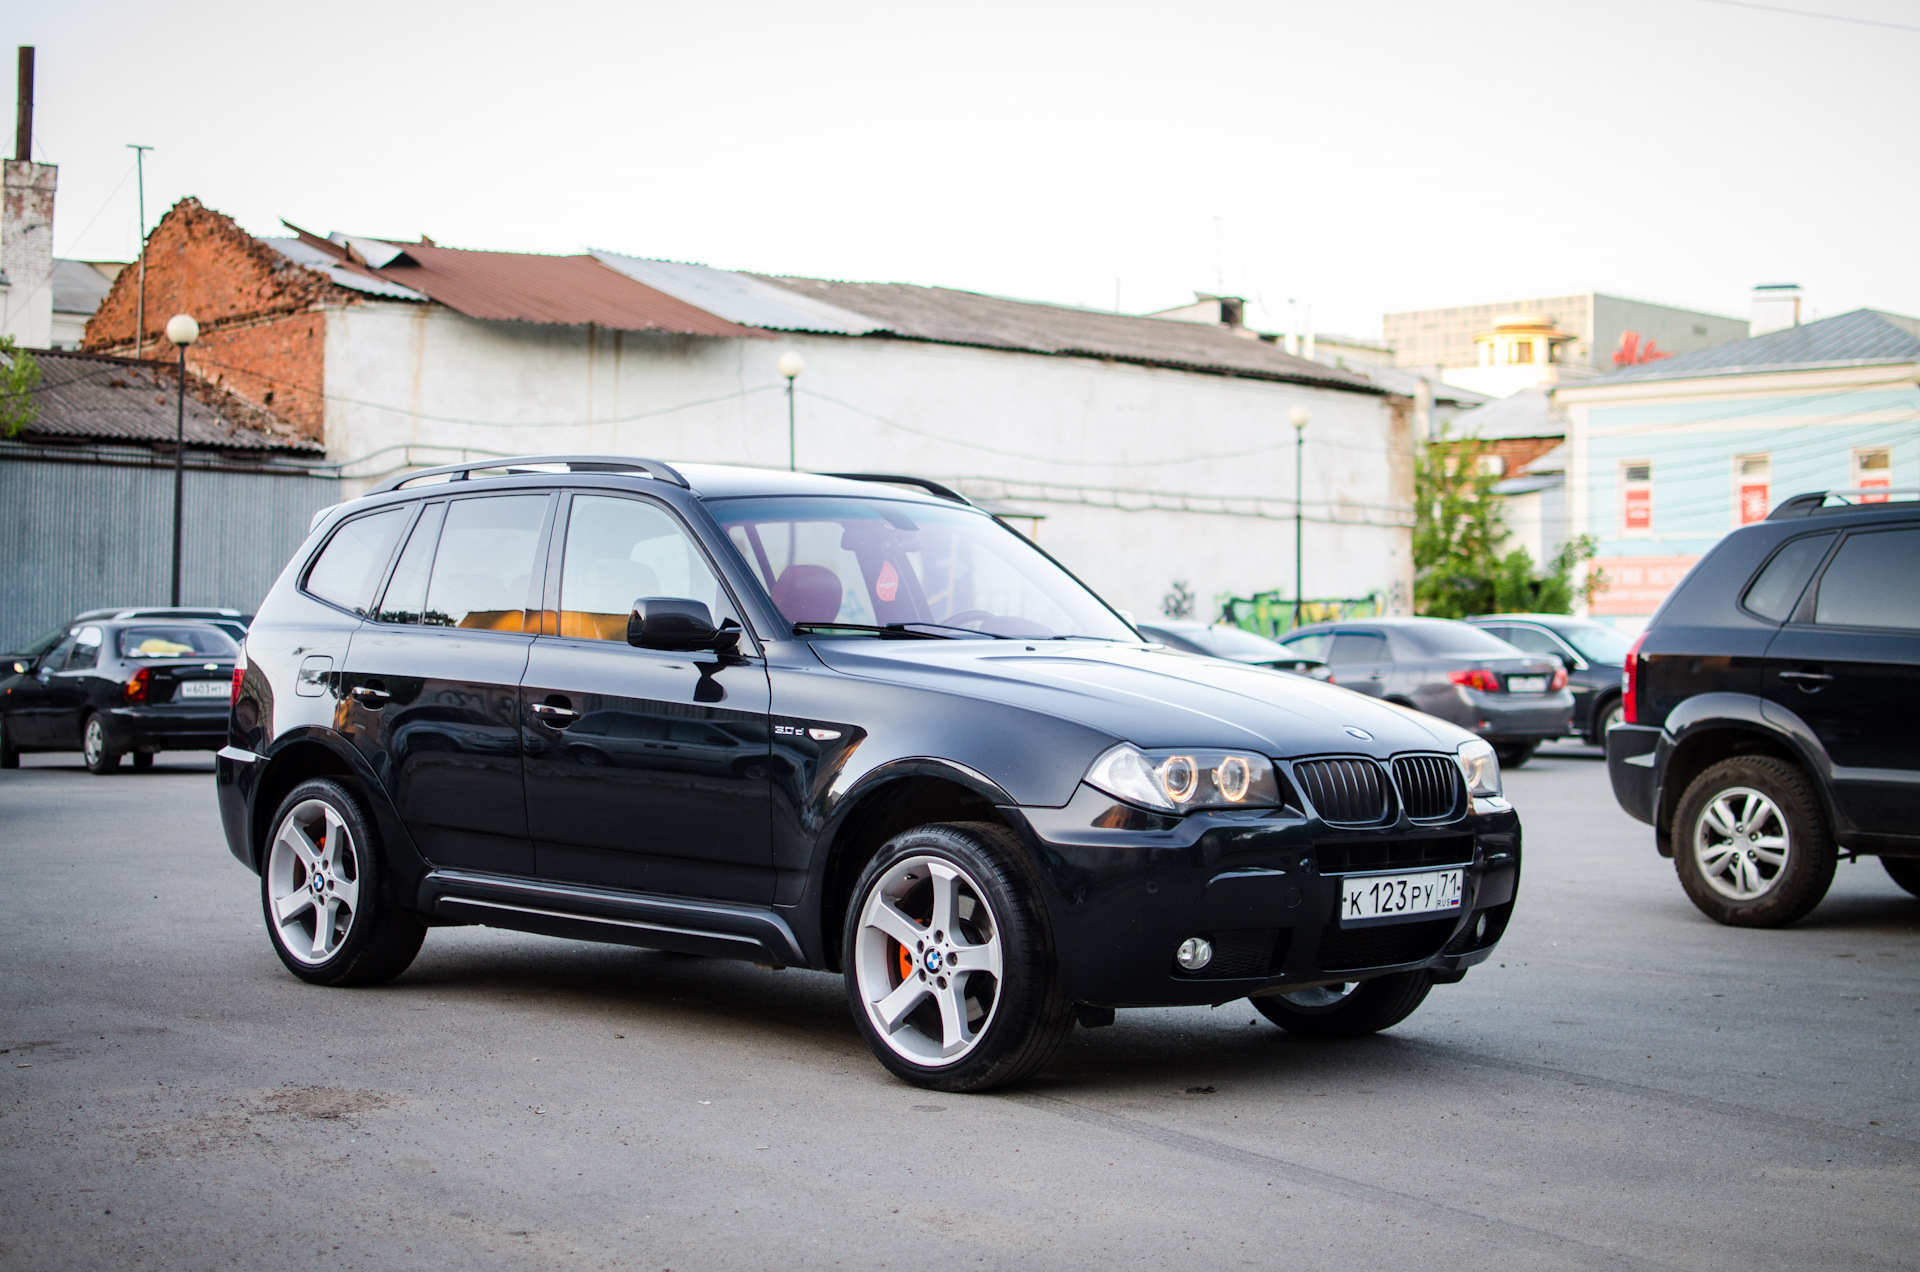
(1400, 896)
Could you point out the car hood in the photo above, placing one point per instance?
(1151, 696)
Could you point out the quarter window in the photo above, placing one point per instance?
(484, 565)
(621, 550)
(349, 567)
(1874, 581)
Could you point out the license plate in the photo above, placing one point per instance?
(1526, 684)
(1393, 896)
(205, 689)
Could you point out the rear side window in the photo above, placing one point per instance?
(1530, 639)
(1360, 647)
(484, 565)
(348, 568)
(1775, 593)
(1874, 581)
(406, 598)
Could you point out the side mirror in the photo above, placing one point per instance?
(671, 622)
(1568, 661)
(22, 665)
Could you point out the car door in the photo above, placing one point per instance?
(1848, 665)
(431, 686)
(68, 687)
(30, 697)
(1362, 660)
(646, 769)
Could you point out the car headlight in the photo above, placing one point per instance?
(1480, 766)
(1181, 779)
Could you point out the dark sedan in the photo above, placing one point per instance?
(1232, 644)
(1594, 655)
(107, 689)
(1513, 699)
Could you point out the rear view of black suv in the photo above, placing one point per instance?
(1771, 709)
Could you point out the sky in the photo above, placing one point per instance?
(1351, 158)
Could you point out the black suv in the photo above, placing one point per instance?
(1770, 709)
(848, 724)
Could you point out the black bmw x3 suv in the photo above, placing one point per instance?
(831, 722)
(1771, 706)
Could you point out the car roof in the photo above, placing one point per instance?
(1396, 620)
(155, 611)
(730, 481)
(1547, 619)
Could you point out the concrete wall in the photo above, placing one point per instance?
(1144, 476)
(26, 251)
(1673, 330)
(80, 536)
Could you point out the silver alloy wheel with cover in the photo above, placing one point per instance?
(1320, 997)
(1740, 843)
(313, 882)
(93, 747)
(1349, 1009)
(927, 960)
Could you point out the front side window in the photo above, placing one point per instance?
(483, 566)
(1310, 645)
(85, 653)
(348, 568)
(1874, 581)
(829, 560)
(623, 550)
(1777, 591)
(1529, 639)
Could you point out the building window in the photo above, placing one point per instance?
(1636, 496)
(1522, 351)
(1872, 470)
(1752, 488)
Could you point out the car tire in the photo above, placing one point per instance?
(1347, 1011)
(1789, 858)
(9, 755)
(142, 761)
(1514, 754)
(1606, 714)
(1904, 871)
(95, 751)
(320, 830)
(1004, 1015)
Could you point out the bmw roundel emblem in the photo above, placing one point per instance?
(933, 961)
(1362, 734)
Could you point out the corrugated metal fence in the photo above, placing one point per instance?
(78, 536)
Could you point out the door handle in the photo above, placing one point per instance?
(1809, 681)
(555, 715)
(370, 696)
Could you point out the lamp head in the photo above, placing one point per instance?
(791, 364)
(1298, 417)
(182, 329)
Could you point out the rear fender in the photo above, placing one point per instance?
(298, 753)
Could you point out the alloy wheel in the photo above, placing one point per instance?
(93, 742)
(1320, 997)
(927, 960)
(313, 881)
(1740, 842)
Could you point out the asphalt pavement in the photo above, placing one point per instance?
(1624, 1085)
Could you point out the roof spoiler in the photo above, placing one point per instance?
(931, 487)
(1810, 504)
(525, 464)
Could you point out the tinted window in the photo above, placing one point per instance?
(1443, 636)
(484, 564)
(1874, 581)
(406, 598)
(1598, 642)
(86, 650)
(349, 567)
(1775, 593)
(1360, 647)
(1231, 642)
(1530, 639)
(620, 550)
(176, 641)
(1312, 645)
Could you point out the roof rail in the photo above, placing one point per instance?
(931, 487)
(1816, 501)
(533, 463)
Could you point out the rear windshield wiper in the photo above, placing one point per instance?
(892, 631)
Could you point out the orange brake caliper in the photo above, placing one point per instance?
(906, 962)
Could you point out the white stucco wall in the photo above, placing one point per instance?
(1144, 476)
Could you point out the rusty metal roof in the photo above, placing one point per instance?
(522, 287)
(88, 397)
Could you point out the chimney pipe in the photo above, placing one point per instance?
(23, 112)
(1776, 306)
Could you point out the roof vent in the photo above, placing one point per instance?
(1776, 306)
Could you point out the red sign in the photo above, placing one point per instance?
(887, 586)
(1638, 513)
(1753, 502)
(1636, 585)
(1874, 483)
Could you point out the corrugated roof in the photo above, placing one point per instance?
(339, 271)
(522, 287)
(1849, 339)
(946, 316)
(88, 397)
(741, 298)
(1531, 412)
(78, 288)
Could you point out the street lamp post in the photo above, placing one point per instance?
(183, 331)
(1298, 418)
(791, 365)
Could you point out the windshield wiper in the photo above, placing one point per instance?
(891, 631)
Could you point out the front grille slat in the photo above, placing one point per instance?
(1352, 792)
(1349, 949)
(1430, 786)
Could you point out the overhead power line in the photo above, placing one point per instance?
(1809, 13)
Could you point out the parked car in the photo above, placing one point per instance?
(1453, 670)
(1770, 708)
(108, 688)
(1594, 655)
(1233, 644)
(230, 621)
(976, 792)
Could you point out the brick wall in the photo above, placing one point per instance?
(1518, 452)
(261, 316)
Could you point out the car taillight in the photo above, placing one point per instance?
(1477, 678)
(1560, 680)
(1630, 683)
(137, 684)
(239, 675)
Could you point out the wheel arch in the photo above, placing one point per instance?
(311, 753)
(1703, 737)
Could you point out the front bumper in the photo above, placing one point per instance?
(1264, 888)
(167, 727)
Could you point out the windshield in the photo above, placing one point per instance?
(1444, 636)
(1596, 641)
(829, 559)
(176, 640)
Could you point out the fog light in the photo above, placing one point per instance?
(1480, 928)
(1194, 953)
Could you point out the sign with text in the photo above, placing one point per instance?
(1753, 502)
(1637, 513)
(1636, 585)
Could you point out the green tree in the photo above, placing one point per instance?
(1459, 528)
(19, 377)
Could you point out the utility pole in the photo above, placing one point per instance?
(140, 304)
(1298, 418)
